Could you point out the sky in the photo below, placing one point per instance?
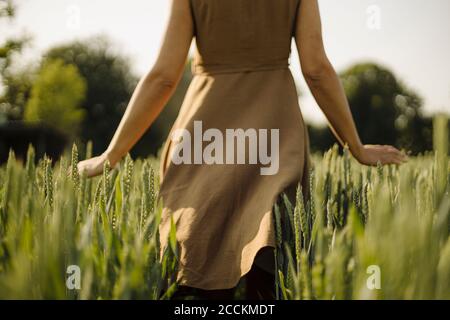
(410, 37)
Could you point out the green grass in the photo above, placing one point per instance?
(52, 218)
(395, 218)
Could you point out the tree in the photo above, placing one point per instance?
(56, 97)
(16, 83)
(384, 109)
(7, 10)
(110, 84)
(17, 89)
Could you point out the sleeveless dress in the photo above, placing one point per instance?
(242, 80)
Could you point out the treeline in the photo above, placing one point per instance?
(78, 92)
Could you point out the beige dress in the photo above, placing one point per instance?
(223, 212)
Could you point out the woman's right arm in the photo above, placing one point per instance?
(328, 91)
(153, 91)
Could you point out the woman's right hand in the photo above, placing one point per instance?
(94, 166)
(371, 154)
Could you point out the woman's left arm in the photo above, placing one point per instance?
(153, 91)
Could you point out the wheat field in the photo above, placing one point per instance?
(365, 233)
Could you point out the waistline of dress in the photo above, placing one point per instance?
(224, 69)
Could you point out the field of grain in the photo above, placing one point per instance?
(366, 232)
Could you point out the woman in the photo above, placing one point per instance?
(222, 210)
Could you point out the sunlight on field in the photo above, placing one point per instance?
(367, 232)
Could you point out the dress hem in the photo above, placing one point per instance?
(230, 284)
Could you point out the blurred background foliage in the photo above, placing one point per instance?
(385, 110)
(56, 97)
(110, 84)
(78, 92)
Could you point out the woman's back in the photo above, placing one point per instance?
(220, 200)
(239, 35)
